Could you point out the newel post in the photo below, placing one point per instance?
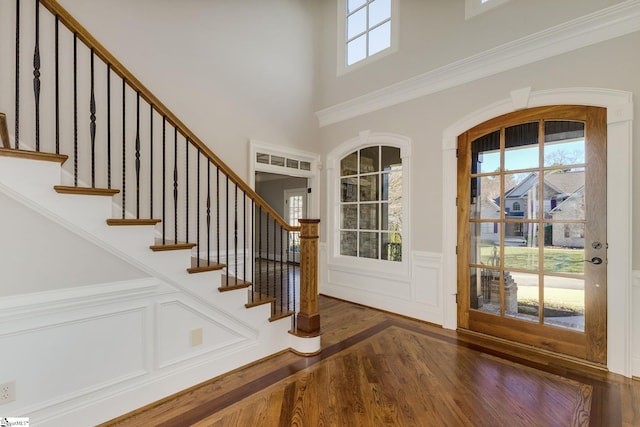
(308, 319)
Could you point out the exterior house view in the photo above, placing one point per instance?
(559, 188)
(180, 181)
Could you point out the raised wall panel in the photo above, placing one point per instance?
(419, 297)
(82, 352)
(176, 320)
(426, 279)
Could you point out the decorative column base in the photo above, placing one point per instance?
(308, 323)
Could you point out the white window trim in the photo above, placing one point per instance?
(384, 268)
(342, 66)
(313, 175)
(476, 7)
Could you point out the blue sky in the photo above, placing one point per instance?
(527, 157)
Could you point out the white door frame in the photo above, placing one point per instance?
(619, 105)
(312, 175)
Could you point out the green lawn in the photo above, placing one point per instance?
(556, 260)
(569, 299)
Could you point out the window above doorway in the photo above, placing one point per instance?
(367, 29)
(476, 7)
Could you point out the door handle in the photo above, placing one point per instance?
(595, 260)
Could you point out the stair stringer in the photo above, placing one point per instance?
(31, 183)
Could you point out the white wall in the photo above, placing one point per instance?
(40, 255)
(231, 70)
(424, 119)
(610, 64)
(434, 33)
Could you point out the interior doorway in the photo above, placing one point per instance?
(288, 196)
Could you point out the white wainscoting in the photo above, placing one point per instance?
(635, 325)
(81, 356)
(418, 296)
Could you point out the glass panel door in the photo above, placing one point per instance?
(531, 214)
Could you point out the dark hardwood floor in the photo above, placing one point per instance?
(378, 369)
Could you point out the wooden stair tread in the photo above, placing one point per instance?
(281, 316)
(171, 247)
(132, 221)
(230, 283)
(203, 267)
(257, 302)
(85, 191)
(33, 155)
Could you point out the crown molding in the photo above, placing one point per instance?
(609, 23)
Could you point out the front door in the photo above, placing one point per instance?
(532, 229)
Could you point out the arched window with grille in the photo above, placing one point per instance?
(371, 207)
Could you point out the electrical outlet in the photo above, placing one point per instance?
(7, 392)
(196, 337)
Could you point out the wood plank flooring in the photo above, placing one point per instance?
(377, 369)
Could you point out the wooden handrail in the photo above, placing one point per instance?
(101, 52)
(4, 132)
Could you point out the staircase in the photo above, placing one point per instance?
(123, 173)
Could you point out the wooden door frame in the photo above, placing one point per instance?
(590, 344)
(619, 105)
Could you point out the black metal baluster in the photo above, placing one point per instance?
(275, 265)
(92, 123)
(235, 232)
(36, 75)
(288, 272)
(175, 184)
(137, 161)
(208, 212)
(293, 288)
(281, 270)
(108, 125)
(151, 161)
(267, 260)
(124, 146)
(218, 213)
(57, 88)
(75, 109)
(252, 253)
(186, 192)
(198, 211)
(259, 275)
(226, 229)
(244, 235)
(164, 179)
(17, 87)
